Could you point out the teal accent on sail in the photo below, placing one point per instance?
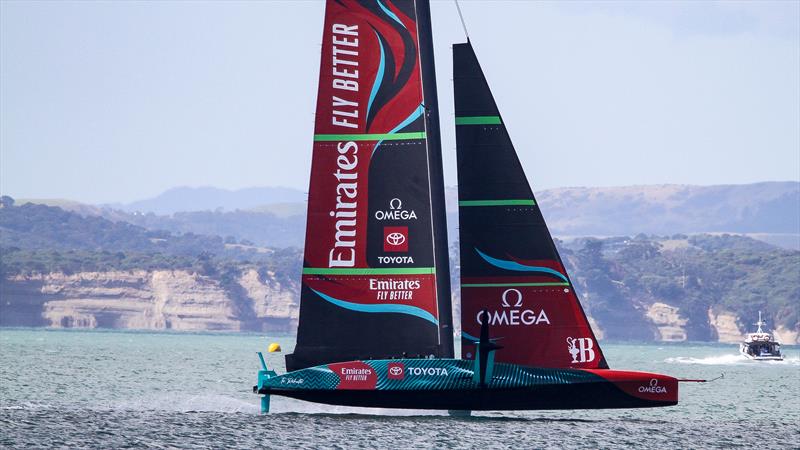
(379, 76)
(469, 337)
(380, 308)
(417, 112)
(517, 267)
(411, 118)
(513, 202)
(390, 13)
(369, 271)
(369, 137)
(479, 120)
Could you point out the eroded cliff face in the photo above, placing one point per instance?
(787, 336)
(182, 300)
(725, 323)
(671, 326)
(154, 300)
(276, 307)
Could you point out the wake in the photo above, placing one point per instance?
(728, 360)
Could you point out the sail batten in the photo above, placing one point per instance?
(511, 273)
(478, 120)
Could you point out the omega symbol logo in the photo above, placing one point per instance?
(395, 239)
(395, 203)
(654, 388)
(515, 296)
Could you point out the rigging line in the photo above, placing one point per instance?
(461, 16)
(689, 380)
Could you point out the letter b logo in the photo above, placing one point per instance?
(581, 349)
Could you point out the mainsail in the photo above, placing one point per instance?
(376, 238)
(511, 273)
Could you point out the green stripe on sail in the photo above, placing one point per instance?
(513, 284)
(369, 271)
(369, 137)
(478, 120)
(519, 202)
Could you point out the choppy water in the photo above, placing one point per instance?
(126, 389)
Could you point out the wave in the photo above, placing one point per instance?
(727, 360)
(189, 403)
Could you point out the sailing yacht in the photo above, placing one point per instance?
(376, 326)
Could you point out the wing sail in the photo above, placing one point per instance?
(511, 272)
(369, 286)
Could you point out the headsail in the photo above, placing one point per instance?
(509, 264)
(375, 238)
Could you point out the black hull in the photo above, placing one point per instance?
(586, 396)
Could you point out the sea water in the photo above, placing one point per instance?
(114, 389)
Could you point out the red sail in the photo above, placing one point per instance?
(369, 275)
(511, 273)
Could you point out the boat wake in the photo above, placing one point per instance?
(282, 405)
(194, 403)
(727, 360)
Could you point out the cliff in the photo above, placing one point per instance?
(62, 269)
(152, 300)
(187, 301)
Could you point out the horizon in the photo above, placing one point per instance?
(198, 94)
(305, 192)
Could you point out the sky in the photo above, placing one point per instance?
(106, 102)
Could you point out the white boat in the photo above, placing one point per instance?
(761, 345)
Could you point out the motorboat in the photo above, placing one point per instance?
(761, 345)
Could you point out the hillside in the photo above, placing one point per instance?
(59, 268)
(667, 209)
(276, 217)
(183, 199)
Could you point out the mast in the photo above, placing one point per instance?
(440, 242)
(760, 323)
(375, 283)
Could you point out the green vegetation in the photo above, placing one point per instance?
(40, 239)
(724, 273)
(617, 278)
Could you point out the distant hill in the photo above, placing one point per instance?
(772, 207)
(768, 211)
(182, 199)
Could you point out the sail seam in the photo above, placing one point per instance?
(510, 202)
(478, 120)
(369, 137)
(512, 284)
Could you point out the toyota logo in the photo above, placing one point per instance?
(395, 238)
(395, 370)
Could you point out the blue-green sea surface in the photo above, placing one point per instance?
(112, 389)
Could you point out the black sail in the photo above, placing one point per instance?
(511, 272)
